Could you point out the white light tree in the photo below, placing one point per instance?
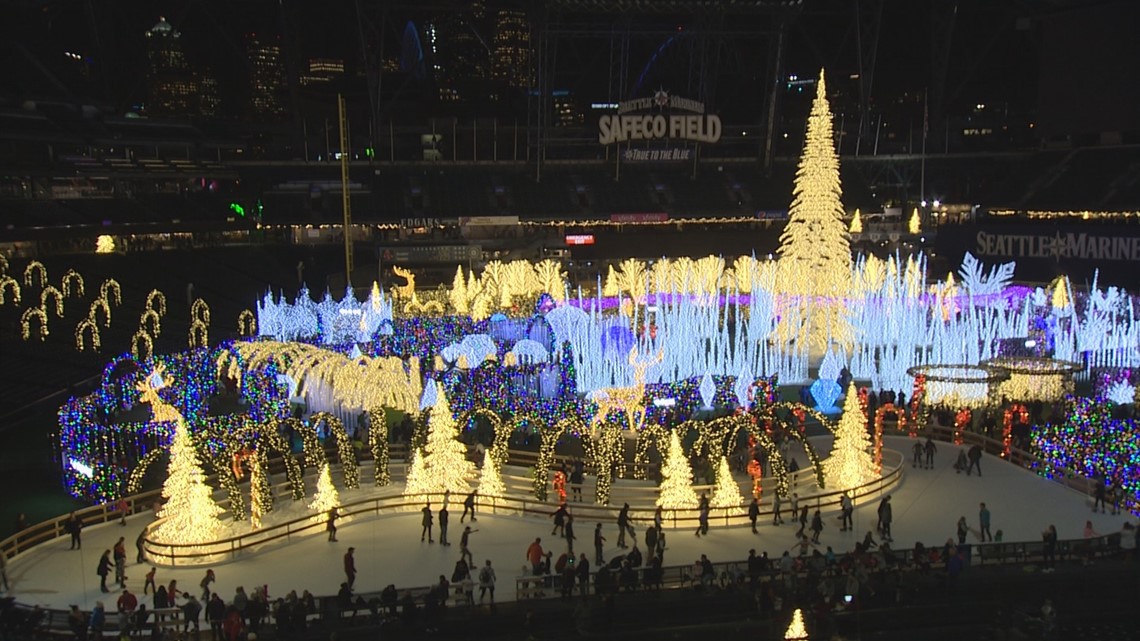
(850, 463)
(727, 492)
(815, 246)
(676, 491)
(445, 458)
(326, 496)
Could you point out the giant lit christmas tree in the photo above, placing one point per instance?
(190, 513)
(727, 492)
(815, 247)
(850, 463)
(445, 458)
(677, 478)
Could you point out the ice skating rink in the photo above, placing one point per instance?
(927, 505)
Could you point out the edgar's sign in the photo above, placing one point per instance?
(626, 124)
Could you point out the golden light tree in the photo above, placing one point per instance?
(458, 292)
(815, 246)
(914, 225)
(190, 513)
(856, 226)
(416, 484)
(490, 482)
(445, 458)
(727, 492)
(796, 630)
(326, 496)
(676, 491)
(850, 463)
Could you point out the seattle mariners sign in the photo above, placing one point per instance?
(628, 124)
(1059, 246)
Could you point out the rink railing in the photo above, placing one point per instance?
(177, 554)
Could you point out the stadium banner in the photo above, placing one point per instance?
(1043, 251)
(486, 221)
(414, 223)
(660, 117)
(654, 217)
(657, 155)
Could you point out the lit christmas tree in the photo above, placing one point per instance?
(445, 458)
(677, 484)
(416, 485)
(190, 513)
(856, 223)
(914, 225)
(727, 492)
(326, 497)
(850, 463)
(815, 247)
(490, 483)
(458, 294)
(796, 630)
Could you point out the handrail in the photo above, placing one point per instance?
(216, 551)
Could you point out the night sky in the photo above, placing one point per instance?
(996, 49)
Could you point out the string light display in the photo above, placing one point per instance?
(378, 435)
(199, 335)
(32, 271)
(51, 292)
(1022, 414)
(104, 244)
(345, 452)
(110, 291)
(3, 264)
(604, 449)
(9, 288)
(956, 386)
(962, 420)
(150, 322)
(856, 226)
(1090, 443)
(142, 346)
(156, 300)
(72, 284)
(200, 311)
(37, 314)
(100, 305)
(87, 328)
(1035, 379)
(247, 323)
(416, 485)
(914, 224)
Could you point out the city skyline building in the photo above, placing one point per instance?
(174, 86)
(512, 58)
(267, 85)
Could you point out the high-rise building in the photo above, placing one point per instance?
(322, 70)
(566, 111)
(267, 85)
(171, 85)
(458, 52)
(174, 87)
(511, 60)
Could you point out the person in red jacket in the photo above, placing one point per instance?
(535, 555)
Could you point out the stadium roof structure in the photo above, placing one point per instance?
(673, 6)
